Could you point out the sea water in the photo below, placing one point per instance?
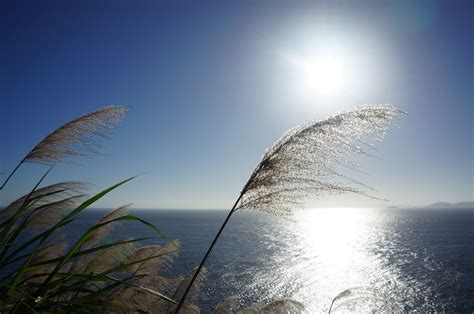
(379, 259)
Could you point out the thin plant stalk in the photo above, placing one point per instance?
(209, 250)
(11, 173)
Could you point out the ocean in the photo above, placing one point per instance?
(384, 259)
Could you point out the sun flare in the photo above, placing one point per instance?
(319, 76)
(323, 74)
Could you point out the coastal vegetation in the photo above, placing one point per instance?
(42, 271)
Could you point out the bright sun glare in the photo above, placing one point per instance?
(324, 74)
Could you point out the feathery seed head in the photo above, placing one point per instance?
(104, 230)
(42, 197)
(77, 138)
(307, 159)
(160, 258)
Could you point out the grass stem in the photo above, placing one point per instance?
(209, 250)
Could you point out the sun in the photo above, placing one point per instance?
(318, 76)
(323, 75)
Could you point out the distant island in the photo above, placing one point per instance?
(451, 205)
(438, 205)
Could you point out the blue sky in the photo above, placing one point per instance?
(212, 86)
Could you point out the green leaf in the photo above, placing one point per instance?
(83, 239)
(88, 251)
(3, 234)
(156, 293)
(62, 222)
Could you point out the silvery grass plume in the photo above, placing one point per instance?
(45, 216)
(77, 138)
(98, 236)
(38, 210)
(159, 257)
(44, 196)
(141, 293)
(135, 298)
(50, 251)
(105, 230)
(107, 259)
(377, 301)
(279, 306)
(197, 275)
(230, 306)
(307, 161)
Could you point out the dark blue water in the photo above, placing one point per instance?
(390, 260)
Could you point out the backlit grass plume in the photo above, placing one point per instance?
(157, 258)
(45, 195)
(197, 275)
(106, 228)
(78, 138)
(307, 162)
(37, 210)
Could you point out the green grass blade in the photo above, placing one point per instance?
(95, 198)
(155, 293)
(22, 208)
(86, 236)
(67, 219)
(89, 278)
(86, 252)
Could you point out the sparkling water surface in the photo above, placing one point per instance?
(374, 259)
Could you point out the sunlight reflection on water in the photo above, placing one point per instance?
(336, 249)
(385, 260)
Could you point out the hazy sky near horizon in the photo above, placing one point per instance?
(212, 84)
